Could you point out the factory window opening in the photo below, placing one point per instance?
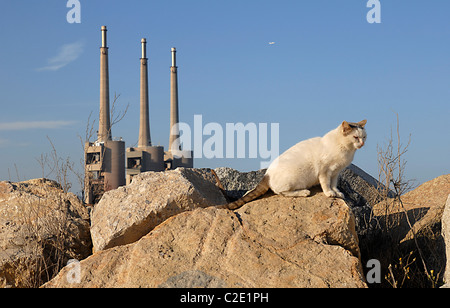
(134, 163)
(96, 175)
(168, 164)
(93, 158)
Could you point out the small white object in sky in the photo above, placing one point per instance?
(271, 43)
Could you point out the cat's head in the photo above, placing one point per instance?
(354, 133)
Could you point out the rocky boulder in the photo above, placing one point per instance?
(359, 187)
(430, 198)
(446, 235)
(402, 228)
(41, 228)
(424, 206)
(126, 214)
(360, 191)
(429, 194)
(271, 242)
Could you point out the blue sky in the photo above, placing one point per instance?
(327, 64)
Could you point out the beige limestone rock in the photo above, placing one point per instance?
(271, 242)
(446, 235)
(126, 214)
(41, 227)
(293, 219)
(424, 206)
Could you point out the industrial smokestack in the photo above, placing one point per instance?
(144, 124)
(104, 126)
(103, 29)
(174, 59)
(144, 48)
(174, 141)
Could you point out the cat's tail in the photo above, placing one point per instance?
(258, 191)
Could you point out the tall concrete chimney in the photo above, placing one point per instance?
(104, 126)
(105, 158)
(144, 124)
(174, 144)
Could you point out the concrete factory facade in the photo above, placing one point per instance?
(107, 164)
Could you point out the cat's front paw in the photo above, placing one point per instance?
(339, 194)
(330, 194)
(334, 194)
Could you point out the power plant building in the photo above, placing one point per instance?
(107, 164)
(175, 156)
(144, 157)
(104, 158)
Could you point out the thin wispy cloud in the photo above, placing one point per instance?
(34, 125)
(66, 54)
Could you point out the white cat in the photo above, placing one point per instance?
(308, 163)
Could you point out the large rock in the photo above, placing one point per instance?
(430, 194)
(360, 191)
(126, 214)
(41, 228)
(271, 242)
(424, 206)
(404, 228)
(359, 187)
(446, 235)
(429, 198)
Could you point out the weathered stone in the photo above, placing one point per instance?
(405, 227)
(126, 214)
(358, 187)
(429, 194)
(360, 191)
(41, 227)
(424, 206)
(292, 220)
(271, 242)
(446, 235)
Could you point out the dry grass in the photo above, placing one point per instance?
(44, 229)
(412, 263)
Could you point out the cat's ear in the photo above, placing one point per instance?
(362, 123)
(346, 128)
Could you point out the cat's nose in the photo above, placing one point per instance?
(362, 143)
